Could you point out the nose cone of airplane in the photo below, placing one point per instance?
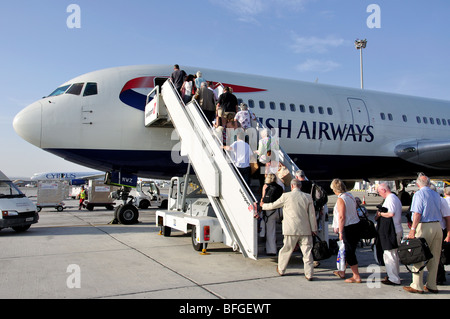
(28, 123)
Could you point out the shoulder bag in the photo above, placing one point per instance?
(413, 251)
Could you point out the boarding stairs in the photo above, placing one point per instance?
(228, 193)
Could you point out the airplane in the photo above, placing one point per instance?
(75, 178)
(97, 120)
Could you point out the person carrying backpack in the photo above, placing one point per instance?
(271, 192)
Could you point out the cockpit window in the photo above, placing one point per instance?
(75, 89)
(60, 90)
(91, 89)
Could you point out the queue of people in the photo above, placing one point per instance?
(431, 220)
(430, 213)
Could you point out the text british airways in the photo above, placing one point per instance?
(322, 130)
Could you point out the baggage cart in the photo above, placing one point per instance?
(52, 194)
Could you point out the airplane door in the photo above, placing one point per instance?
(88, 104)
(359, 111)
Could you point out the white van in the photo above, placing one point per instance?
(17, 210)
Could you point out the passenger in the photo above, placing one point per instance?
(306, 184)
(346, 223)
(245, 117)
(241, 156)
(211, 87)
(231, 128)
(445, 225)
(361, 209)
(178, 77)
(188, 88)
(199, 80)
(299, 224)
(321, 212)
(221, 121)
(218, 131)
(389, 237)
(270, 193)
(228, 102)
(426, 216)
(263, 155)
(206, 102)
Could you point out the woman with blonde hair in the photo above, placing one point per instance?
(346, 224)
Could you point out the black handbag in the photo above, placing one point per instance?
(320, 249)
(445, 254)
(412, 251)
(367, 229)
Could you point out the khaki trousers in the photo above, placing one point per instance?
(432, 233)
(289, 243)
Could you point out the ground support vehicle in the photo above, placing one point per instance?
(18, 211)
(148, 195)
(189, 210)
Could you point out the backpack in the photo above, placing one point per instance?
(319, 196)
(273, 192)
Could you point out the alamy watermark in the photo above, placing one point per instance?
(74, 19)
(74, 279)
(374, 19)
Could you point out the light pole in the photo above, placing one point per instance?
(359, 45)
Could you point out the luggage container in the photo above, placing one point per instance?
(99, 195)
(52, 194)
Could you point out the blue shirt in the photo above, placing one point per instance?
(427, 203)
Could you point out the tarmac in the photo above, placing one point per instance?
(77, 255)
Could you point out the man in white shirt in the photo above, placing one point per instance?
(241, 156)
(390, 256)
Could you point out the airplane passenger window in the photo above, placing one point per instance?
(60, 90)
(418, 119)
(431, 120)
(302, 108)
(91, 89)
(283, 106)
(438, 121)
(251, 104)
(292, 106)
(311, 109)
(405, 119)
(75, 89)
(330, 111)
(272, 105)
(425, 120)
(383, 116)
(390, 117)
(448, 121)
(320, 109)
(262, 105)
(444, 122)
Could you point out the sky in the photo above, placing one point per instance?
(46, 43)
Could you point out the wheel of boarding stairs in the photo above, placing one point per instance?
(197, 246)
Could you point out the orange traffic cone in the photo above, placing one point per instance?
(364, 200)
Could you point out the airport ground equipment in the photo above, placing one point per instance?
(231, 199)
(99, 195)
(190, 210)
(52, 194)
(17, 210)
(148, 195)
